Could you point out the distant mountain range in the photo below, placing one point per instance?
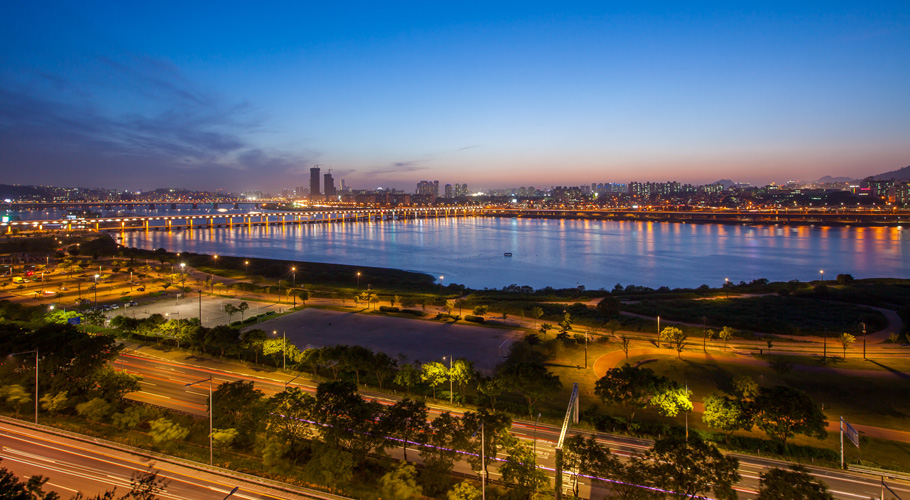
(726, 183)
(901, 175)
(828, 179)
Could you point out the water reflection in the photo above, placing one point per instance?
(561, 253)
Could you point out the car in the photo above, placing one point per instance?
(115, 306)
(63, 288)
(134, 303)
(140, 289)
(91, 287)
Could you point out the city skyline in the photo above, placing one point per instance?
(146, 97)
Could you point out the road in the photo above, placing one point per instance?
(76, 466)
(164, 381)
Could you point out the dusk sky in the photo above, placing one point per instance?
(249, 95)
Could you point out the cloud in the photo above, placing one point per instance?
(468, 147)
(398, 167)
(148, 114)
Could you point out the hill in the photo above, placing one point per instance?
(902, 175)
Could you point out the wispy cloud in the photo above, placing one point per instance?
(398, 167)
(158, 118)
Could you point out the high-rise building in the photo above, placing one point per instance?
(428, 188)
(300, 192)
(448, 190)
(314, 182)
(329, 185)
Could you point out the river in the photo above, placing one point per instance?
(565, 253)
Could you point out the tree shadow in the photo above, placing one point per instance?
(899, 374)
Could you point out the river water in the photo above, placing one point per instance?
(565, 253)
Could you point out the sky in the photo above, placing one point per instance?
(250, 95)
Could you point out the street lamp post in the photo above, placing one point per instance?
(451, 400)
(822, 272)
(358, 279)
(864, 341)
(36, 377)
(294, 284)
(96, 291)
(211, 411)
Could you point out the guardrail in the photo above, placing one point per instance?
(225, 473)
(890, 474)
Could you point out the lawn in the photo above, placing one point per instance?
(767, 314)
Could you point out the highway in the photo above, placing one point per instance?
(164, 381)
(74, 466)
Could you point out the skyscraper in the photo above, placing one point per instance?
(329, 185)
(314, 182)
(448, 190)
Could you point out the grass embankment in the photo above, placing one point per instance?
(768, 314)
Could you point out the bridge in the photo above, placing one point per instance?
(211, 221)
(111, 205)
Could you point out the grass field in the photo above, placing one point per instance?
(768, 314)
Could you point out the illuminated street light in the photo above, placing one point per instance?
(358, 279)
(96, 291)
(294, 285)
(822, 272)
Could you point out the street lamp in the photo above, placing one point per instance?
(450, 379)
(286, 384)
(822, 272)
(36, 377)
(284, 348)
(211, 410)
(96, 291)
(358, 279)
(294, 285)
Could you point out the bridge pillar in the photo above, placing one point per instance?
(146, 224)
(189, 223)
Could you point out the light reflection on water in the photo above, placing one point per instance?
(563, 253)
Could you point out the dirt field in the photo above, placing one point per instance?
(418, 340)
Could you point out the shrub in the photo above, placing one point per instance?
(474, 319)
(415, 312)
(392, 309)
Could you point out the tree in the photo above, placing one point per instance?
(331, 466)
(449, 306)
(491, 388)
(628, 386)
(675, 335)
(434, 373)
(15, 395)
(223, 438)
(586, 456)
(624, 345)
(242, 308)
(531, 380)
(95, 410)
(609, 307)
(495, 432)
(400, 483)
(691, 468)
(793, 484)
(745, 387)
(406, 421)
(223, 337)
(481, 310)
(383, 367)
(133, 417)
(565, 325)
(783, 412)
(846, 340)
(446, 436)
(521, 473)
(536, 313)
(725, 334)
(114, 385)
(55, 403)
(11, 488)
(725, 414)
(166, 431)
(304, 296)
(240, 406)
(670, 398)
(288, 423)
(253, 339)
(461, 374)
(230, 310)
(348, 421)
(464, 490)
(407, 376)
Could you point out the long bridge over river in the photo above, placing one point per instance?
(267, 218)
